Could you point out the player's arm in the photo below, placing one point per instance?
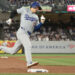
(13, 14)
(39, 24)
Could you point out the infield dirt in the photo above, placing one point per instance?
(15, 65)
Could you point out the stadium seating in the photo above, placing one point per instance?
(45, 33)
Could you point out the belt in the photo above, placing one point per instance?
(26, 31)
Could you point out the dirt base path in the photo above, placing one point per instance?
(14, 65)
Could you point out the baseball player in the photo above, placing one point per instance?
(29, 22)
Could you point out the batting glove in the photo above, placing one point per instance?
(43, 19)
(9, 22)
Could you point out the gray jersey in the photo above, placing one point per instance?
(28, 19)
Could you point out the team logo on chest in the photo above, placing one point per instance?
(27, 17)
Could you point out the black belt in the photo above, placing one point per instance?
(27, 31)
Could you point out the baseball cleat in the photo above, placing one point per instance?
(33, 64)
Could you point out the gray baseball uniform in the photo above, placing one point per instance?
(28, 21)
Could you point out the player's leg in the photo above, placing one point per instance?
(27, 47)
(12, 50)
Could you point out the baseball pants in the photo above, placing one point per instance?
(23, 39)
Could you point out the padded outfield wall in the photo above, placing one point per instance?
(47, 46)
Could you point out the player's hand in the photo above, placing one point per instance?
(9, 22)
(42, 19)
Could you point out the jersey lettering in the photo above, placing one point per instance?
(27, 17)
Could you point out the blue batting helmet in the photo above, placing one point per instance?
(35, 4)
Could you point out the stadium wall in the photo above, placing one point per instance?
(53, 47)
(47, 46)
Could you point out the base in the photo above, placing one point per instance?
(37, 70)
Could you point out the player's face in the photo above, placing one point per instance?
(34, 10)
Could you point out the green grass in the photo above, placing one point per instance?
(56, 61)
(48, 61)
(11, 55)
(39, 55)
(38, 74)
(53, 54)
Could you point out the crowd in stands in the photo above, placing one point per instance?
(49, 33)
(9, 5)
(44, 34)
(72, 32)
(48, 4)
(58, 34)
(43, 2)
(28, 2)
(53, 4)
(71, 2)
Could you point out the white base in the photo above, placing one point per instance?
(37, 70)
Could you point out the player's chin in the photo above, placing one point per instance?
(35, 11)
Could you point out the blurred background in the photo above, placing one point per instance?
(59, 24)
(57, 35)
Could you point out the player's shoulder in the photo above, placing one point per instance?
(23, 7)
(36, 16)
